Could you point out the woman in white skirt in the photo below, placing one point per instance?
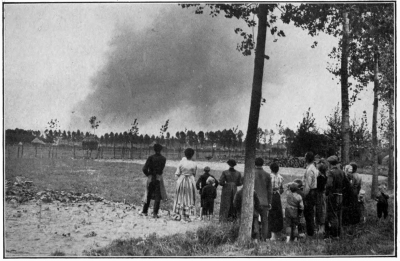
(185, 193)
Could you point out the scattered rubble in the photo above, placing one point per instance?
(23, 190)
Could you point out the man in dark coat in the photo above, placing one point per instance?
(263, 188)
(153, 169)
(334, 192)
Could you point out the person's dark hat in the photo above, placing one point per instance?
(189, 152)
(157, 147)
(231, 162)
(259, 162)
(207, 169)
(299, 183)
(293, 187)
(354, 165)
(333, 160)
(274, 167)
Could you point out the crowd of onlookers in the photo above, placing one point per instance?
(321, 202)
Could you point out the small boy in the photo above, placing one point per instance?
(202, 182)
(293, 211)
(382, 199)
(302, 221)
(208, 195)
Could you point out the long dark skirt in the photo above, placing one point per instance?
(351, 211)
(320, 208)
(333, 221)
(275, 219)
(227, 210)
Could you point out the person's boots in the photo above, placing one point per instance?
(201, 213)
(273, 236)
(287, 239)
(145, 209)
(156, 209)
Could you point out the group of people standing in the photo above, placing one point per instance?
(324, 199)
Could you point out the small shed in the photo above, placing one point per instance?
(90, 143)
(37, 141)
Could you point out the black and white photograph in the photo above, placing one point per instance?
(199, 129)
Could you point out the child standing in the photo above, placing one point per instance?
(382, 199)
(293, 211)
(208, 194)
(202, 182)
(302, 220)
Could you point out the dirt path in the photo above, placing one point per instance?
(68, 227)
(240, 167)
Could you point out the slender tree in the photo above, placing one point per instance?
(134, 131)
(245, 12)
(344, 76)
(163, 129)
(332, 19)
(374, 30)
(94, 124)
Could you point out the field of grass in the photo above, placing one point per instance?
(115, 181)
(118, 181)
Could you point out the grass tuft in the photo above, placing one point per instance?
(218, 234)
(58, 253)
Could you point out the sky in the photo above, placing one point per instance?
(153, 62)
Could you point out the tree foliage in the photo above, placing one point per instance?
(245, 12)
(94, 123)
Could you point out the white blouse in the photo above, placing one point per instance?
(276, 181)
(186, 167)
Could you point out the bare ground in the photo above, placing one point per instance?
(69, 227)
(34, 230)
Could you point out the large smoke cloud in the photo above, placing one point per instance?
(183, 67)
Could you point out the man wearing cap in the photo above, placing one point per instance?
(263, 188)
(334, 193)
(202, 182)
(310, 192)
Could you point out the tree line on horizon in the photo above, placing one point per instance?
(307, 137)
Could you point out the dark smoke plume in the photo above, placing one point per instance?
(184, 67)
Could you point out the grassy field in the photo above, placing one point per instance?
(118, 181)
(114, 181)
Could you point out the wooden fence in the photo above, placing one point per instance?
(114, 152)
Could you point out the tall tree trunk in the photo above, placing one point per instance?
(248, 186)
(345, 91)
(374, 188)
(391, 145)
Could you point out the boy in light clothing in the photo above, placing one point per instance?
(293, 211)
